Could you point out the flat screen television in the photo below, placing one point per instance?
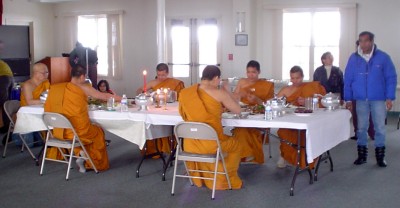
(16, 41)
(16, 49)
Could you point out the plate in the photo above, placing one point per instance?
(302, 114)
(228, 115)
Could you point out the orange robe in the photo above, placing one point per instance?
(251, 138)
(196, 105)
(289, 153)
(45, 85)
(69, 100)
(163, 143)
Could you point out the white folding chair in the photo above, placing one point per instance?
(56, 120)
(200, 131)
(11, 107)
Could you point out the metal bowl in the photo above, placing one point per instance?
(330, 101)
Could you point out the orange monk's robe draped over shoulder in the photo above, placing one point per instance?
(69, 100)
(251, 138)
(196, 105)
(163, 143)
(171, 83)
(288, 152)
(45, 85)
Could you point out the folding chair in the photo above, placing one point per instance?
(200, 131)
(56, 120)
(10, 108)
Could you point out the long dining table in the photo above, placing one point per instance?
(324, 129)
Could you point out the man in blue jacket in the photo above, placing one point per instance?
(370, 79)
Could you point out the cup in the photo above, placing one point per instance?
(110, 103)
(308, 103)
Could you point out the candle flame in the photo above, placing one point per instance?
(158, 91)
(165, 90)
(144, 72)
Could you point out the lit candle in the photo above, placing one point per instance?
(165, 97)
(144, 80)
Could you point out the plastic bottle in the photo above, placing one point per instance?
(15, 92)
(315, 102)
(268, 111)
(124, 103)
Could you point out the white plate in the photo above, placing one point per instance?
(302, 114)
(228, 115)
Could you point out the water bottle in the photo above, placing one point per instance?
(15, 92)
(315, 102)
(268, 111)
(124, 103)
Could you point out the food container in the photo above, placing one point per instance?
(331, 101)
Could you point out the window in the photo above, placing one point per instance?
(306, 36)
(101, 33)
(193, 45)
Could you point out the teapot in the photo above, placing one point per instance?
(331, 101)
(278, 104)
(142, 100)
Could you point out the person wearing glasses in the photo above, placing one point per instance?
(35, 86)
(30, 95)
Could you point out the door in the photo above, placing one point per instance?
(192, 45)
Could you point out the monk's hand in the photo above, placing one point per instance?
(252, 98)
(300, 101)
(389, 104)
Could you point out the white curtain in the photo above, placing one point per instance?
(271, 33)
(114, 45)
(70, 34)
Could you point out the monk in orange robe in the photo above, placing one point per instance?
(70, 100)
(203, 103)
(252, 91)
(295, 94)
(162, 81)
(30, 95)
(35, 86)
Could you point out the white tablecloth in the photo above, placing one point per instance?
(324, 129)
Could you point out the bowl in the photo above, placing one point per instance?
(331, 101)
(244, 115)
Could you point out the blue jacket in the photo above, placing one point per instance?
(372, 80)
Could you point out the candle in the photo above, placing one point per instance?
(144, 80)
(165, 97)
(158, 98)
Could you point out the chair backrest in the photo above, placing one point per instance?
(195, 130)
(56, 120)
(10, 108)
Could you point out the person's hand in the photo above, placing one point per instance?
(389, 104)
(300, 101)
(251, 98)
(349, 105)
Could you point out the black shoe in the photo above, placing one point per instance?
(372, 138)
(362, 155)
(380, 156)
(353, 137)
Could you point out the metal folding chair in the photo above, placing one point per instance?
(11, 107)
(56, 120)
(200, 131)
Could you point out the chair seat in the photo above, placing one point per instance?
(187, 156)
(62, 143)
